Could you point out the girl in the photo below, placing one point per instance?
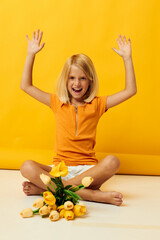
(77, 110)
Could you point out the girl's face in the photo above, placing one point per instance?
(77, 84)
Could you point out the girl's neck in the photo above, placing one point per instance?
(77, 103)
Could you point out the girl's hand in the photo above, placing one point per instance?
(34, 44)
(124, 47)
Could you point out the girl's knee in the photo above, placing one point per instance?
(27, 168)
(112, 162)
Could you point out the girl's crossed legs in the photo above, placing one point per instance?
(101, 172)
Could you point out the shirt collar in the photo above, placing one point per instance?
(62, 104)
(73, 105)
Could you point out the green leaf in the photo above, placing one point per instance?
(50, 190)
(60, 179)
(68, 198)
(74, 195)
(57, 182)
(67, 187)
(53, 186)
(81, 187)
(59, 193)
(75, 201)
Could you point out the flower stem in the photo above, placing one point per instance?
(53, 186)
(50, 190)
(74, 189)
(36, 211)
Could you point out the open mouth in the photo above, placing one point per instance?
(77, 90)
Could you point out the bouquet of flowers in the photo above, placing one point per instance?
(58, 202)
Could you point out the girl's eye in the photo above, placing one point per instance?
(73, 77)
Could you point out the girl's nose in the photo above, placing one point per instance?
(77, 82)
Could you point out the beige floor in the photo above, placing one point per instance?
(138, 218)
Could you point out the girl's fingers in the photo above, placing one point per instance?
(129, 40)
(27, 37)
(40, 37)
(116, 50)
(33, 37)
(120, 39)
(119, 43)
(37, 34)
(125, 40)
(41, 46)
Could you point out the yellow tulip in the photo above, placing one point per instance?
(68, 205)
(61, 211)
(45, 179)
(60, 170)
(69, 215)
(60, 208)
(79, 210)
(51, 208)
(49, 198)
(54, 215)
(86, 181)
(61, 214)
(26, 213)
(44, 210)
(38, 203)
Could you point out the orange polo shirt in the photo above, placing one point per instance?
(76, 130)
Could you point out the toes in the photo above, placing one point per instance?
(120, 195)
(26, 191)
(117, 198)
(117, 195)
(118, 203)
(30, 189)
(25, 183)
(26, 187)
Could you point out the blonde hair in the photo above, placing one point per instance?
(86, 65)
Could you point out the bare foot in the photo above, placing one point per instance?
(31, 189)
(114, 198)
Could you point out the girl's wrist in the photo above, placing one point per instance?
(31, 55)
(126, 59)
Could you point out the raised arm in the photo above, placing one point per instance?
(26, 82)
(130, 80)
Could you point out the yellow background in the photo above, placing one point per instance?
(130, 130)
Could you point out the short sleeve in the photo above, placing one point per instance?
(101, 105)
(53, 102)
